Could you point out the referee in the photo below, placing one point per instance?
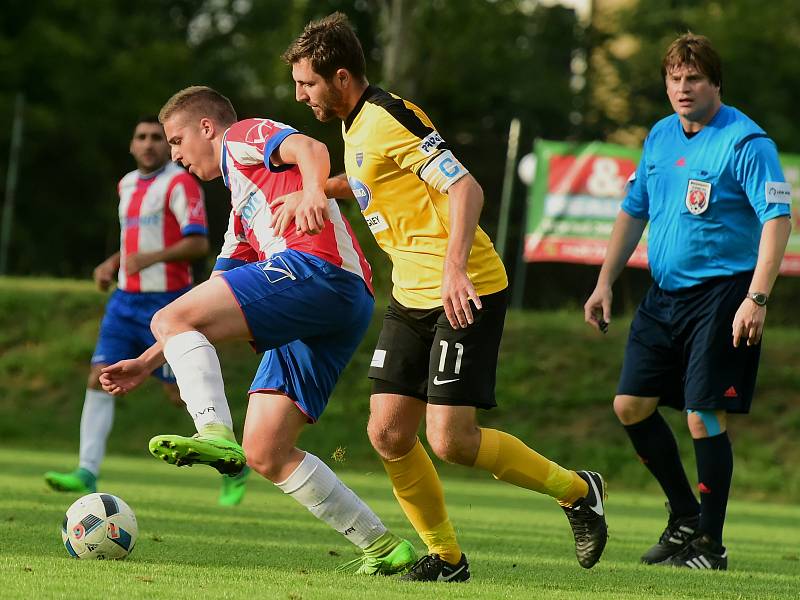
(711, 187)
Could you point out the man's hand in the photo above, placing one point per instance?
(749, 323)
(312, 212)
(104, 275)
(283, 210)
(597, 310)
(124, 376)
(457, 291)
(137, 261)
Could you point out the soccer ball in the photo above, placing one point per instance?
(99, 527)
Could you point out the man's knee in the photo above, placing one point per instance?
(453, 443)
(389, 441)
(266, 461)
(633, 409)
(706, 423)
(167, 322)
(93, 381)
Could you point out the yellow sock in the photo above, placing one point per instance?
(509, 460)
(419, 492)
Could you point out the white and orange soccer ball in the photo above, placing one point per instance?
(99, 527)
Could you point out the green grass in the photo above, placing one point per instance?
(518, 542)
(555, 381)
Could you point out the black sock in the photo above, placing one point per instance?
(714, 471)
(656, 446)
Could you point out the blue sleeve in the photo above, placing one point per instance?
(194, 229)
(226, 264)
(272, 144)
(758, 170)
(637, 202)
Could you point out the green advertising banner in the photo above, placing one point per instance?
(576, 194)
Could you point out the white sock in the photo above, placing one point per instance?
(196, 366)
(96, 421)
(316, 487)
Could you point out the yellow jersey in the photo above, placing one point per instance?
(399, 169)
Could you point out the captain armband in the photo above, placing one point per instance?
(442, 171)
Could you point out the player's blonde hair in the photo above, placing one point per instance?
(199, 101)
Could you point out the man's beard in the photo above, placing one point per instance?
(327, 107)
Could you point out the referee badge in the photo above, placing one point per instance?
(697, 196)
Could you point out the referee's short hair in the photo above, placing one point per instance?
(329, 44)
(695, 51)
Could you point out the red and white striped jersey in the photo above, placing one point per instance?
(155, 212)
(254, 182)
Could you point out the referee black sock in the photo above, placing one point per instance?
(714, 472)
(657, 449)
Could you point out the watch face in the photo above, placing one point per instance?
(760, 299)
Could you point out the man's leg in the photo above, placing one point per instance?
(714, 472)
(97, 419)
(657, 449)
(393, 425)
(455, 436)
(271, 429)
(186, 328)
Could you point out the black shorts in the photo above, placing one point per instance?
(680, 348)
(420, 355)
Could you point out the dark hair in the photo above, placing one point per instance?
(200, 101)
(695, 51)
(329, 44)
(147, 119)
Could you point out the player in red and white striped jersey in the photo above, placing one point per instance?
(163, 228)
(305, 301)
(255, 182)
(157, 211)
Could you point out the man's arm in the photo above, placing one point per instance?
(186, 249)
(624, 237)
(466, 203)
(749, 320)
(338, 187)
(104, 272)
(312, 158)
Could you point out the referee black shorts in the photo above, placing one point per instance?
(420, 355)
(680, 348)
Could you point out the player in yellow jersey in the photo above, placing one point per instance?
(437, 353)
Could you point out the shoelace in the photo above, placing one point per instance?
(673, 530)
(426, 565)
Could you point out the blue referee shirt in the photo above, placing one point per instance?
(706, 197)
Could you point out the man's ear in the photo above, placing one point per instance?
(343, 77)
(207, 128)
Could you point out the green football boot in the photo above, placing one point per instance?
(233, 488)
(215, 445)
(80, 480)
(398, 558)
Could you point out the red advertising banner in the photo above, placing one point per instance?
(576, 195)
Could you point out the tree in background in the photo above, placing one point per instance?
(758, 43)
(89, 68)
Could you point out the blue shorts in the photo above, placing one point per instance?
(308, 317)
(680, 348)
(125, 329)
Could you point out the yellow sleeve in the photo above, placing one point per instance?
(410, 140)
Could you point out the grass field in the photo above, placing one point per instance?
(555, 381)
(518, 542)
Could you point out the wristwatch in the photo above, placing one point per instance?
(758, 298)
